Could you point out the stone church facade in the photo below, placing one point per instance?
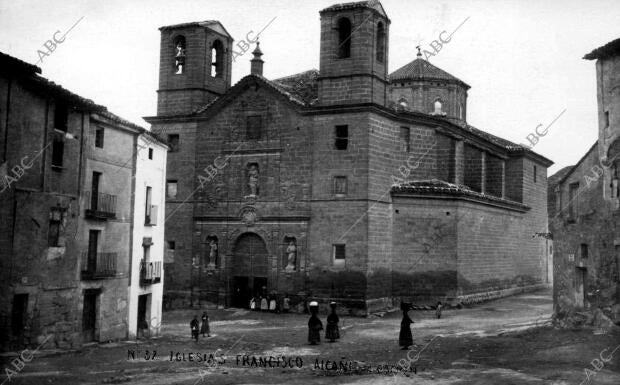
(346, 183)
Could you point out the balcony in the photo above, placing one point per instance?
(98, 265)
(150, 273)
(100, 206)
(151, 217)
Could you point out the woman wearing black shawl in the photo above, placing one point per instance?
(314, 324)
(204, 328)
(331, 332)
(405, 339)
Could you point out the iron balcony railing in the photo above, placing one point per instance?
(100, 205)
(98, 265)
(150, 272)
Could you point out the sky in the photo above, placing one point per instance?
(522, 59)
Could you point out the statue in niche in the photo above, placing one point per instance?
(253, 180)
(212, 254)
(291, 253)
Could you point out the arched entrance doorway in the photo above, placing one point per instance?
(249, 268)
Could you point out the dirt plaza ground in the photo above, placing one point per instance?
(506, 341)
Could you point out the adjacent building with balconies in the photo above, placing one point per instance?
(68, 172)
(146, 281)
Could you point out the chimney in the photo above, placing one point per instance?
(256, 64)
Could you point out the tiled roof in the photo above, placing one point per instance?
(554, 179)
(293, 95)
(608, 50)
(506, 144)
(59, 91)
(120, 120)
(47, 86)
(190, 24)
(439, 187)
(212, 24)
(421, 69)
(372, 4)
(303, 85)
(10, 64)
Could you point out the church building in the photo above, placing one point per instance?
(348, 183)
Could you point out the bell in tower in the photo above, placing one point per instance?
(195, 66)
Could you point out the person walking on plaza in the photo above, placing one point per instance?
(332, 333)
(204, 329)
(194, 326)
(405, 339)
(286, 304)
(253, 304)
(263, 304)
(314, 324)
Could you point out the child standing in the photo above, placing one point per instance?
(438, 309)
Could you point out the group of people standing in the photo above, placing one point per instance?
(315, 326)
(198, 329)
(332, 332)
(270, 303)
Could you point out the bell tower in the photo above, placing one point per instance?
(194, 67)
(354, 54)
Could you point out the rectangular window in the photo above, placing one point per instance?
(171, 245)
(405, 136)
(535, 174)
(584, 250)
(606, 119)
(339, 254)
(99, 137)
(53, 233)
(573, 188)
(171, 188)
(147, 208)
(254, 127)
(173, 142)
(150, 153)
(61, 117)
(58, 152)
(340, 185)
(342, 137)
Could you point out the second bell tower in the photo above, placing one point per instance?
(354, 54)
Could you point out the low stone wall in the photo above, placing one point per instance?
(494, 294)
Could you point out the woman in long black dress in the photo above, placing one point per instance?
(204, 329)
(405, 339)
(194, 326)
(314, 324)
(331, 332)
